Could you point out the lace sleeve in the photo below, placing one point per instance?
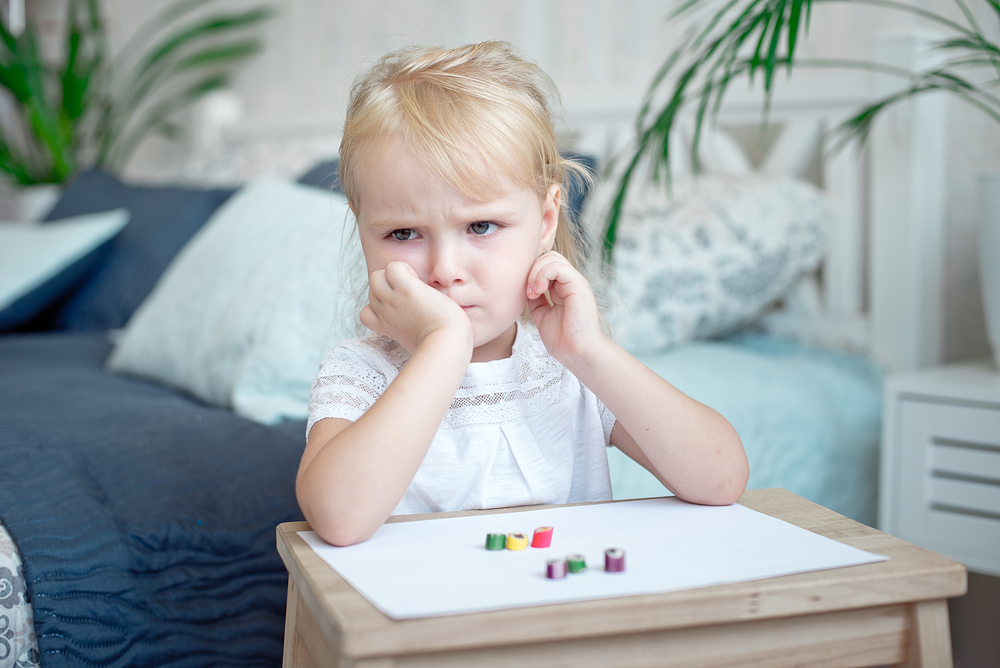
(351, 378)
(608, 420)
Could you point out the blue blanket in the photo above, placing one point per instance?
(144, 518)
(810, 419)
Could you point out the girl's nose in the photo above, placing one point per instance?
(446, 266)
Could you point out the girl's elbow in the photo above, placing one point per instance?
(341, 534)
(727, 487)
(729, 495)
(732, 486)
(340, 528)
(333, 525)
(733, 481)
(725, 494)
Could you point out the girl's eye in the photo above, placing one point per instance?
(482, 227)
(403, 235)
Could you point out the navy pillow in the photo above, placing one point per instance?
(22, 314)
(326, 175)
(163, 220)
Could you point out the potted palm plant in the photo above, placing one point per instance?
(756, 40)
(92, 109)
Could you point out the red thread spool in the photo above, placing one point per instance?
(542, 537)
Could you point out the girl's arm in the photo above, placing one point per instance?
(353, 474)
(689, 447)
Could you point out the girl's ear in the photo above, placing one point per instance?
(550, 216)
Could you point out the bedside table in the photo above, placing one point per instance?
(940, 465)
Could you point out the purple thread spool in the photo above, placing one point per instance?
(614, 560)
(555, 569)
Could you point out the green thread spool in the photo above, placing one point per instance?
(496, 541)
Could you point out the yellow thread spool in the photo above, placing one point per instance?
(517, 541)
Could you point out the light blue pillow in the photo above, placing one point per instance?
(37, 260)
(246, 311)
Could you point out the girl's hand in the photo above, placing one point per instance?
(407, 310)
(569, 326)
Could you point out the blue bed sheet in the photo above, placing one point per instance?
(145, 519)
(810, 419)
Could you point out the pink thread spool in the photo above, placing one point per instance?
(614, 560)
(555, 569)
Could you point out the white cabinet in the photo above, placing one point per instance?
(940, 465)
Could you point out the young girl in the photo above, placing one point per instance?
(460, 399)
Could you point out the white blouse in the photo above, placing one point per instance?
(521, 430)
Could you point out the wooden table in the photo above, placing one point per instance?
(886, 613)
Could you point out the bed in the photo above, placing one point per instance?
(144, 467)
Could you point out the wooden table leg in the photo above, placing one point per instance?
(930, 636)
(294, 654)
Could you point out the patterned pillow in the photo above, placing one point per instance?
(713, 257)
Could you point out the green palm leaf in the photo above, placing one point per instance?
(158, 116)
(87, 107)
(203, 29)
(182, 52)
(747, 38)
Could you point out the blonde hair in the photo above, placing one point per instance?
(479, 106)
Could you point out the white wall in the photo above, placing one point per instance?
(316, 47)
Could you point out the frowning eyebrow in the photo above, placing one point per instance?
(471, 215)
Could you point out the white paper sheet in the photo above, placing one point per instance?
(441, 567)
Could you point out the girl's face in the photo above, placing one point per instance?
(476, 252)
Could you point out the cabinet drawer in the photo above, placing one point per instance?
(965, 459)
(950, 480)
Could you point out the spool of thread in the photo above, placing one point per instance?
(555, 569)
(542, 537)
(614, 560)
(576, 563)
(496, 541)
(517, 541)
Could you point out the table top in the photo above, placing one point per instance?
(972, 381)
(910, 574)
